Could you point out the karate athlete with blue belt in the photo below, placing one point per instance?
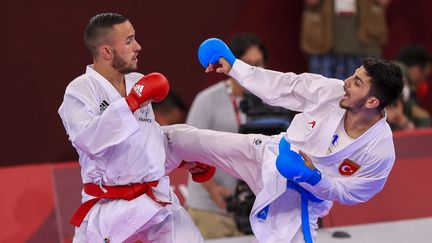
(338, 148)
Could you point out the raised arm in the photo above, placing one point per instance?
(295, 92)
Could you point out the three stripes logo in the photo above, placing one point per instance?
(103, 105)
(138, 89)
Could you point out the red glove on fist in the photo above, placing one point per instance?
(200, 171)
(151, 87)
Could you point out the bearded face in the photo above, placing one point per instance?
(357, 90)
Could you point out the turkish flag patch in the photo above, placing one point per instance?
(348, 167)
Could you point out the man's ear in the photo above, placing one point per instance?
(372, 102)
(105, 52)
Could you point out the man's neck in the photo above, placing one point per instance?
(357, 123)
(113, 76)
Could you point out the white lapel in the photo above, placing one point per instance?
(327, 131)
(361, 141)
(107, 86)
(130, 82)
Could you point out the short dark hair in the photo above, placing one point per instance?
(386, 80)
(98, 26)
(412, 55)
(240, 43)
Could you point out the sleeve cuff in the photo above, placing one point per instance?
(320, 188)
(240, 70)
(125, 115)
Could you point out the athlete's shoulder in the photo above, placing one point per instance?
(79, 83)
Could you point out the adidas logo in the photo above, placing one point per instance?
(138, 89)
(103, 105)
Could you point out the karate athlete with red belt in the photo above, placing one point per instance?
(108, 116)
(338, 148)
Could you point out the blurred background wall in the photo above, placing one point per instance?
(43, 50)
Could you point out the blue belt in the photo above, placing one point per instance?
(305, 196)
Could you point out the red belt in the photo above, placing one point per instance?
(127, 192)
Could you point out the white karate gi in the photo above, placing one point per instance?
(118, 147)
(252, 157)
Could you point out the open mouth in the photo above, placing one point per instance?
(346, 95)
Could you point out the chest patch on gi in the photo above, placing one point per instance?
(145, 110)
(348, 167)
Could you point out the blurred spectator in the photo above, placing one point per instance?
(338, 34)
(424, 90)
(217, 108)
(170, 111)
(397, 118)
(414, 61)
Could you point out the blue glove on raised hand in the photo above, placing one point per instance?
(292, 166)
(212, 49)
